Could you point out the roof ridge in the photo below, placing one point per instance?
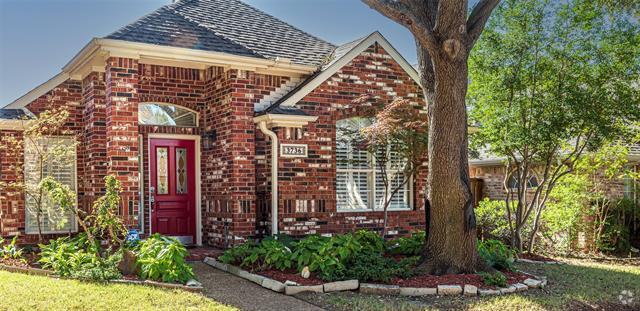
(212, 28)
(164, 7)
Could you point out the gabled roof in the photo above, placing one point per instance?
(13, 114)
(227, 26)
(339, 58)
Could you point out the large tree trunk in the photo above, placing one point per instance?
(444, 37)
(452, 221)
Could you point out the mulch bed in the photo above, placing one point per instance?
(290, 275)
(15, 263)
(455, 279)
(535, 257)
(416, 281)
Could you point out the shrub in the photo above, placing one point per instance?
(305, 250)
(163, 259)
(373, 267)
(236, 254)
(371, 241)
(492, 220)
(11, 250)
(496, 254)
(494, 279)
(408, 246)
(78, 258)
(270, 253)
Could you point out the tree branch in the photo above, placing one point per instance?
(399, 12)
(478, 19)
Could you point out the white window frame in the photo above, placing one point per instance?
(371, 177)
(73, 220)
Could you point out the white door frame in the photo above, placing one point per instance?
(196, 139)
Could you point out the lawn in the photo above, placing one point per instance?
(578, 285)
(26, 292)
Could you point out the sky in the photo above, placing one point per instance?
(38, 37)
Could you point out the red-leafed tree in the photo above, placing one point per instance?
(445, 33)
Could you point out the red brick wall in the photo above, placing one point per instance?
(67, 94)
(313, 178)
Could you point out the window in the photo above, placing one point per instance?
(531, 184)
(631, 189)
(359, 182)
(59, 165)
(166, 114)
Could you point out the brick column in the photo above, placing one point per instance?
(95, 136)
(121, 80)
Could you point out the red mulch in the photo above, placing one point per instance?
(535, 257)
(290, 275)
(14, 263)
(454, 279)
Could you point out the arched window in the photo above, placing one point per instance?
(166, 114)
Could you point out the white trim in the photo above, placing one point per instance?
(40, 90)
(196, 139)
(141, 204)
(274, 175)
(284, 120)
(375, 37)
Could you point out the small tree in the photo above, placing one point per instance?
(45, 150)
(398, 141)
(550, 81)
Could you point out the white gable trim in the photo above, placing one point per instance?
(40, 90)
(375, 37)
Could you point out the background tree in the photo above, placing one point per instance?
(444, 34)
(40, 139)
(549, 81)
(397, 140)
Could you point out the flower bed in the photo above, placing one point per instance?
(461, 284)
(535, 258)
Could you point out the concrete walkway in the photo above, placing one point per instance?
(232, 290)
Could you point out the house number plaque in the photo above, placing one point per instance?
(293, 151)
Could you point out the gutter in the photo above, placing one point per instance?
(274, 175)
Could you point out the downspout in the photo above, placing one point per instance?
(274, 175)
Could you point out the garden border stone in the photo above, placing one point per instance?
(377, 289)
(32, 271)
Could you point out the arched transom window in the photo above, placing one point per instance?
(166, 114)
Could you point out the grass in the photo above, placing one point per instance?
(578, 285)
(27, 292)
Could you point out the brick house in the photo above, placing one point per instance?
(212, 114)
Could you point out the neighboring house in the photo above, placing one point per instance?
(190, 105)
(491, 171)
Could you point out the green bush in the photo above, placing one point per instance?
(11, 250)
(496, 254)
(270, 253)
(373, 267)
(408, 246)
(371, 241)
(162, 258)
(77, 258)
(236, 255)
(306, 250)
(494, 279)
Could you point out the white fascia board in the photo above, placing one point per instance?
(40, 90)
(488, 162)
(284, 120)
(375, 37)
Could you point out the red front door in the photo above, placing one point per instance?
(173, 203)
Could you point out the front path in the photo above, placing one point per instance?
(229, 289)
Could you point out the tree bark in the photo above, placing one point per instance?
(451, 246)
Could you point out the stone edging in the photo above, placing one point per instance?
(539, 262)
(48, 273)
(378, 289)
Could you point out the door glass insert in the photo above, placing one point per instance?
(162, 163)
(181, 170)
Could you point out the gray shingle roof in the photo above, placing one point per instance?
(227, 26)
(12, 114)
